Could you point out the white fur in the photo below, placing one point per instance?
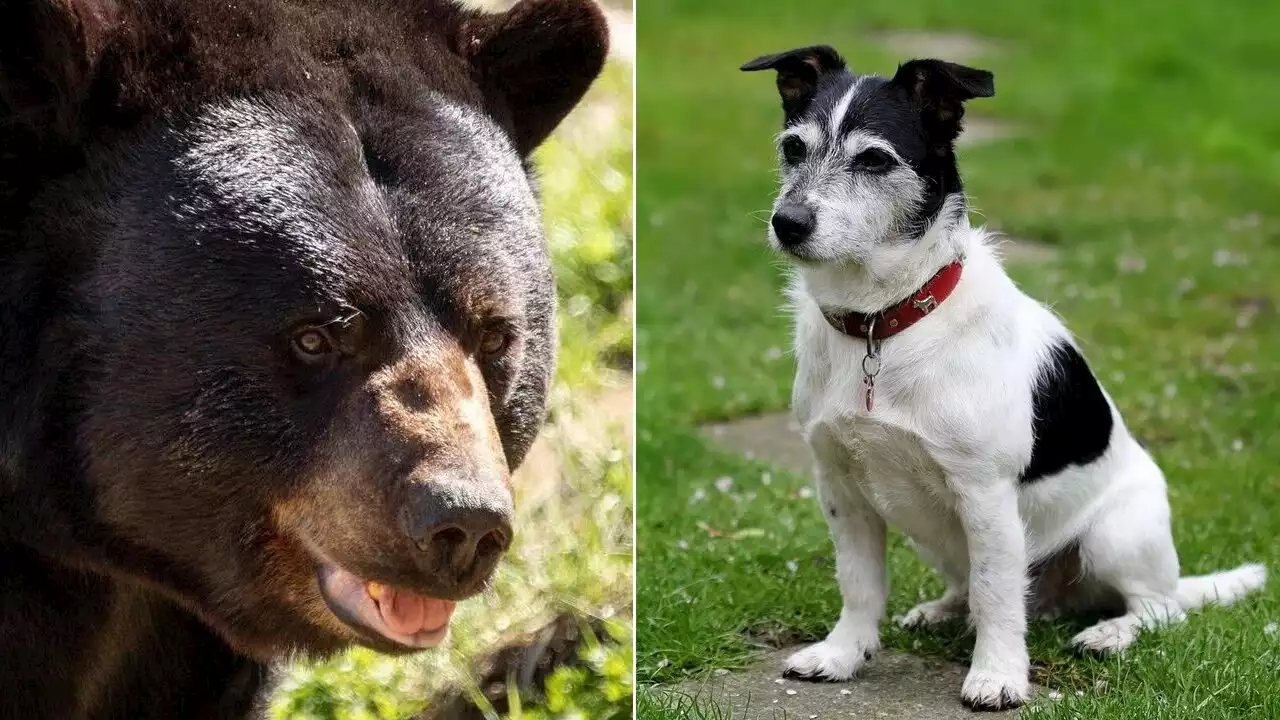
(940, 455)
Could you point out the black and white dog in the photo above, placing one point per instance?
(936, 396)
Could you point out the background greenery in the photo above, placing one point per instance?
(573, 545)
(1149, 154)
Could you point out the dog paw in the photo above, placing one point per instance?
(1106, 638)
(985, 690)
(929, 614)
(828, 661)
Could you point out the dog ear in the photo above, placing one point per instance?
(798, 73)
(535, 61)
(941, 88)
(49, 53)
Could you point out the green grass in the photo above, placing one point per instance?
(573, 547)
(1152, 140)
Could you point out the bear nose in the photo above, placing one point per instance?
(461, 527)
(793, 223)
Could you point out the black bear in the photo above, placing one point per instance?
(276, 323)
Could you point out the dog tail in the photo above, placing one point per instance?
(1220, 588)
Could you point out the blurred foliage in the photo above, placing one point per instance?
(573, 548)
(584, 172)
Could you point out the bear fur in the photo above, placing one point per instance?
(183, 184)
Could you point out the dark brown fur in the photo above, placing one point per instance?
(169, 471)
(1060, 587)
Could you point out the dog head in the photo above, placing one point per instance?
(300, 322)
(866, 162)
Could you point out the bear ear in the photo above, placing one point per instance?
(49, 54)
(798, 73)
(535, 61)
(941, 88)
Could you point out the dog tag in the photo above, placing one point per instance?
(871, 364)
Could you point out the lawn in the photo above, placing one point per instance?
(572, 560)
(1149, 154)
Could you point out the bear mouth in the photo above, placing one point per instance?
(382, 613)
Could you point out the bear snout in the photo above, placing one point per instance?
(460, 524)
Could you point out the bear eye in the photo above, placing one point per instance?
(312, 343)
(873, 160)
(494, 338)
(793, 149)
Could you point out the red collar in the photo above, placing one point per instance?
(895, 319)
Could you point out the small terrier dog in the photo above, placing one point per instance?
(938, 397)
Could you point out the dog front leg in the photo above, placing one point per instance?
(998, 677)
(859, 536)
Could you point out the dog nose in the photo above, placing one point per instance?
(793, 223)
(461, 526)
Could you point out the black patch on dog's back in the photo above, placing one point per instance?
(1072, 424)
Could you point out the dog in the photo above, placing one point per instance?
(937, 397)
(276, 325)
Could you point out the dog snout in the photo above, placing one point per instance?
(461, 526)
(793, 223)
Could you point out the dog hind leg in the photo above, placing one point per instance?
(952, 563)
(953, 604)
(1130, 549)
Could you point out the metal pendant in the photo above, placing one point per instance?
(871, 364)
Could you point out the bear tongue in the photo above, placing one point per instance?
(408, 613)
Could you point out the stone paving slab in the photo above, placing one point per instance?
(980, 130)
(1018, 251)
(895, 685)
(957, 47)
(773, 439)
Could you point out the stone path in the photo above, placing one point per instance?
(773, 439)
(1019, 251)
(895, 685)
(951, 46)
(979, 130)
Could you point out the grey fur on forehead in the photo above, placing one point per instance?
(480, 156)
(251, 168)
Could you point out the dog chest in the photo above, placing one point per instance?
(882, 451)
(893, 469)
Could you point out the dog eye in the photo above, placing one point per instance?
(311, 344)
(793, 150)
(494, 338)
(873, 160)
